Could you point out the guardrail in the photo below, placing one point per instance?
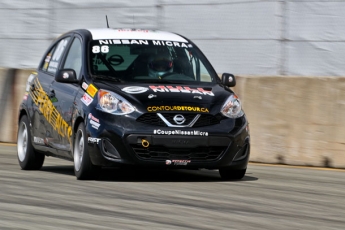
(293, 120)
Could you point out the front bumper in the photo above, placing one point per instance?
(133, 144)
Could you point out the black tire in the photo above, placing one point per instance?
(83, 167)
(231, 174)
(28, 158)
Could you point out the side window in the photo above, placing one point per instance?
(199, 70)
(74, 57)
(47, 59)
(53, 57)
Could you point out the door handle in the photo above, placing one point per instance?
(51, 93)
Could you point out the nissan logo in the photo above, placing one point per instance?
(179, 119)
(134, 89)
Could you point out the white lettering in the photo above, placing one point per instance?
(176, 44)
(180, 132)
(159, 88)
(143, 42)
(184, 45)
(94, 124)
(93, 140)
(134, 42)
(101, 42)
(156, 43)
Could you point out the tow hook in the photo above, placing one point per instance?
(145, 143)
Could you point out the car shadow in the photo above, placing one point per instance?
(176, 175)
(150, 175)
(61, 169)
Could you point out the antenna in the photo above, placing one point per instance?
(106, 18)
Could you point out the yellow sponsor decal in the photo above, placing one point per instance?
(91, 90)
(177, 108)
(48, 110)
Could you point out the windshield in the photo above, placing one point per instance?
(149, 61)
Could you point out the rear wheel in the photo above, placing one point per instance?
(231, 174)
(83, 167)
(28, 158)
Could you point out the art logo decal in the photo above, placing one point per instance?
(86, 99)
(177, 108)
(135, 89)
(91, 90)
(180, 89)
(180, 132)
(93, 140)
(179, 119)
(46, 107)
(151, 96)
(140, 42)
(94, 121)
(177, 162)
(167, 89)
(84, 85)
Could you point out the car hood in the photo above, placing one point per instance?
(169, 94)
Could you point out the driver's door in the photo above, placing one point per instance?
(65, 94)
(44, 126)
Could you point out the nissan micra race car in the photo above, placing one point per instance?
(131, 98)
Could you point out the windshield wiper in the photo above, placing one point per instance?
(159, 81)
(107, 77)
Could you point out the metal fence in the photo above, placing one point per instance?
(244, 37)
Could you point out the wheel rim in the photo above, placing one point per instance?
(22, 142)
(78, 150)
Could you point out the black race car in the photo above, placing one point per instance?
(129, 97)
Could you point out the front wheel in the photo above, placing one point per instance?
(231, 174)
(83, 167)
(28, 158)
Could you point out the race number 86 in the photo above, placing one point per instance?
(97, 49)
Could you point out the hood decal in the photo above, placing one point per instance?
(177, 108)
(163, 89)
(134, 89)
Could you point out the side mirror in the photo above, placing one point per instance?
(228, 79)
(66, 76)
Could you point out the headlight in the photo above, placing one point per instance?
(113, 103)
(232, 107)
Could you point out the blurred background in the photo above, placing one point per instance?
(255, 37)
(287, 56)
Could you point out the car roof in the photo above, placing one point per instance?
(110, 33)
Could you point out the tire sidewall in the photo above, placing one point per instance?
(85, 164)
(29, 148)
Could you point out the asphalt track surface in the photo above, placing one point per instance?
(269, 197)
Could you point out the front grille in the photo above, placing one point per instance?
(205, 120)
(170, 117)
(165, 153)
(154, 119)
(151, 119)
